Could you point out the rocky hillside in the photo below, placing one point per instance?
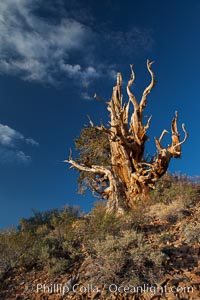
(152, 252)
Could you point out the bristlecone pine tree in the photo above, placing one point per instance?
(128, 176)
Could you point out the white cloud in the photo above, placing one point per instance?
(82, 75)
(71, 70)
(33, 48)
(10, 140)
(86, 96)
(13, 156)
(8, 136)
(88, 74)
(22, 157)
(49, 50)
(32, 142)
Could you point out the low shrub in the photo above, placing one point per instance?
(125, 259)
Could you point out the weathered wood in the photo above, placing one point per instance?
(130, 175)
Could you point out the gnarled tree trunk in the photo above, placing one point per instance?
(129, 174)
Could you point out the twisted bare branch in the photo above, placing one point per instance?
(185, 137)
(148, 88)
(148, 123)
(162, 135)
(132, 98)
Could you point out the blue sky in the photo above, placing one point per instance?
(54, 55)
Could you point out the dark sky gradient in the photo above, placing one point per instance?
(54, 55)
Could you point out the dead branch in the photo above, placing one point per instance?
(148, 123)
(90, 121)
(185, 137)
(162, 135)
(132, 98)
(99, 99)
(148, 88)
